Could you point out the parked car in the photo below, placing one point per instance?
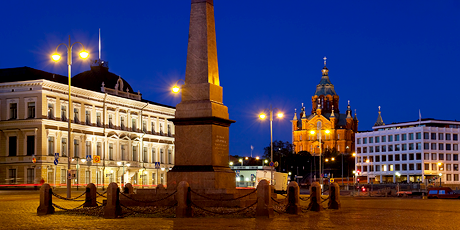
(442, 193)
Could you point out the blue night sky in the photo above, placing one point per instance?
(401, 55)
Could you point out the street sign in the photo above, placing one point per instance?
(157, 165)
(276, 163)
(272, 164)
(237, 172)
(34, 160)
(300, 177)
(56, 161)
(331, 180)
(72, 174)
(97, 159)
(56, 156)
(88, 158)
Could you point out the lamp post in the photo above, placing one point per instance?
(319, 136)
(440, 180)
(56, 58)
(241, 161)
(122, 163)
(263, 116)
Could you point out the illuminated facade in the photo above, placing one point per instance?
(337, 130)
(108, 120)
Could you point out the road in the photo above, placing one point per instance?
(18, 211)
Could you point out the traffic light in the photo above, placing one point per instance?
(364, 189)
(358, 180)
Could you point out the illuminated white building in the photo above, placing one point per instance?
(108, 120)
(418, 151)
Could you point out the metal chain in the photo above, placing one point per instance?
(147, 201)
(223, 213)
(70, 199)
(215, 199)
(67, 209)
(101, 194)
(324, 200)
(305, 199)
(279, 202)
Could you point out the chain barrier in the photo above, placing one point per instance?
(102, 194)
(67, 209)
(223, 213)
(215, 199)
(147, 201)
(143, 212)
(324, 200)
(305, 199)
(279, 202)
(69, 199)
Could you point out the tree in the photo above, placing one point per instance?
(280, 149)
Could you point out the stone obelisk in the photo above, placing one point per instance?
(201, 122)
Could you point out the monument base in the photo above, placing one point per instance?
(212, 178)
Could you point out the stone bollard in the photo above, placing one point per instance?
(334, 196)
(90, 200)
(184, 201)
(315, 197)
(293, 206)
(160, 189)
(46, 201)
(264, 200)
(112, 209)
(128, 189)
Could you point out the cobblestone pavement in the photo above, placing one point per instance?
(18, 211)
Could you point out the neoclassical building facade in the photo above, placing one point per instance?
(108, 119)
(325, 123)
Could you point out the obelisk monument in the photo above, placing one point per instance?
(201, 122)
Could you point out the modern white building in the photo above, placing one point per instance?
(108, 119)
(418, 151)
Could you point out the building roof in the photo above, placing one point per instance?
(93, 79)
(26, 74)
(341, 119)
(325, 87)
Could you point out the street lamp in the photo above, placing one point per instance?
(263, 116)
(241, 161)
(319, 135)
(56, 57)
(176, 88)
(231, 163)
(440, 180)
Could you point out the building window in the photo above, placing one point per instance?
(441, 156)
(64, 147)
(12, 146)
(133, 124)
(63, 113)
(384, 158)
(448, 147)
(364, 149)
(397, 137)
(377, 139)
(397, 167)
(455, 167)
(122, 123)
(154, 155)
(455, 177)
(169, 156)
(411, 136)
(371, 149)
(169, 130)
(384, 148)
(30, 145)
(418, 146)
(161, 128)
(76, 115)
(12, 176)
(455, 147)
(365, 140)
(98, 119)
(404, 137)
(397, 148)
(411, 167)
(433, 156)
(134, 153)
(377, 158)
(404, 157)
(50, 110)
(98, 148)
(427, 166)
(411, 146)
(426, 136)
(456, 138)
(144, 126)
(31, 110)
(418, 136)
(88, 177)
(88, 148)
(390, 157)
(50, 146)
(441, 136)
(433, 136)
(426, 156)
(30, 176)
(162, 157)
(13, 110)
(448, 167)
(448, 177)
(455, 157)
(76, 148)
(433, 167)
(154, 176)
(418, 156)
(397, 157)
(359, 150)
(88, 117)
(377, 149)
(146, 159)
(411, 156)
(404, 147)
(153, 127)
(390, 138)
(371, 140)
(390, 148)
(162, 178)
(433, 146)
(441, 146)
(110, 151)
(123, 153)
(110, 121)
(447, 136)
(426, 146)
(404, 167)
(384, 138)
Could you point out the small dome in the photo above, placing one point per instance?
(93, 79)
